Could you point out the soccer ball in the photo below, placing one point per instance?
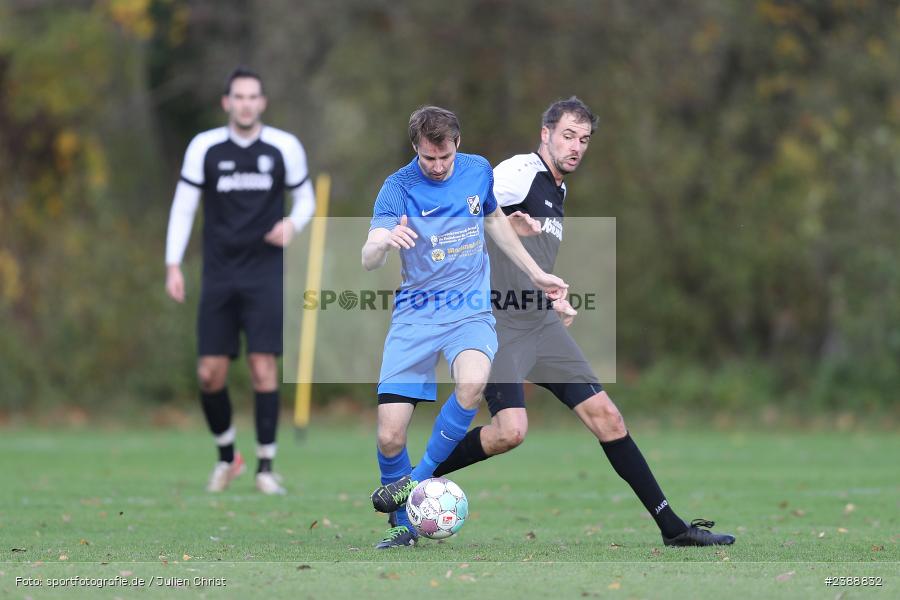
(437, 508)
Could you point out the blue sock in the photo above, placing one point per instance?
(450, 427)
(393, 468)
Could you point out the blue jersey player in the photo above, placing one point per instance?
(435, 212)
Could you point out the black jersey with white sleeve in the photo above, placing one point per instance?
(243, 184)
(524, 183)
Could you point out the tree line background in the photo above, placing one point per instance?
(750, 152)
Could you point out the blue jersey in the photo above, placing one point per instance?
(446, 275)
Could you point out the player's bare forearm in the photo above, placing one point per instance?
(380, 241)
(498, 227)
(374, 251)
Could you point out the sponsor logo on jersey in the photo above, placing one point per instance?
(548, 203)
(241, 182)
(554, 227)
(437, 255)
(474, 204)
(425, 213)
(265, 163)
(226, 165)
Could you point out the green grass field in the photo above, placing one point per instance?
(550, 519)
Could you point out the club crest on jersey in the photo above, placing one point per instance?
(474, 204)
(437, 255)
(264, 163)
(434, 240)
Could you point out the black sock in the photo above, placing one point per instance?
(267, 407)
(467, 452)
(217, 410)
(629, 463)
(266, 417)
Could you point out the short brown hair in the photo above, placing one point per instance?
(572, 106)
(434, 123)
(242, 72)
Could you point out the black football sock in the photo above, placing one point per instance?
(629, 463)
(217, 410)
(267, 407)
(467, 452)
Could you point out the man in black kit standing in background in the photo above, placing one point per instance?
(242, 171)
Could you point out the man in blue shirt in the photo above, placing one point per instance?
(435, 212)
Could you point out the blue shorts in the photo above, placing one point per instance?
(411, 353)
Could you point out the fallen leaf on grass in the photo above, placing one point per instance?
(18, 550)
(785, 576)
(468, 578)
(530, 535)
(448, 574)
(185, 557)
(353, 549)
(391, 575)
(615, 546)
(655, 552)
(614, 585)
(878, 548)
(843, 530)
(313, 524)
(303, 567)
(84, 542)
(849, 508)
(63, 557)
(821, 534)
(798, 512)
(433, 583)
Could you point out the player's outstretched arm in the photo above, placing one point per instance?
(381, 240)
(498, 227)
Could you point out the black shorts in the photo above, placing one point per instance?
(546, 355)
(231, 305)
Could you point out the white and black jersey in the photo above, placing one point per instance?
(524, 183)
(243, 185)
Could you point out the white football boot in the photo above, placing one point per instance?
(223, 474)
(269, 483)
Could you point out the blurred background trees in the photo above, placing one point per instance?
(749, 150)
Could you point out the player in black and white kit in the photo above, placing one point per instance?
(242, 171)
(533, 341)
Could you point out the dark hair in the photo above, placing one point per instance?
(572, 106)
(436, 124)
(242, 72)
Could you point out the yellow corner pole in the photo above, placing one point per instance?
(308, 324)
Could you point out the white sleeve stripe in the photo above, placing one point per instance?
(193, 183)
(195, 155)
(513, 178)
(304, 205)
(292, 152)
(292, 186)
(181, 220)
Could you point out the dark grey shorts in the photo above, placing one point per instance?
(545, 355)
